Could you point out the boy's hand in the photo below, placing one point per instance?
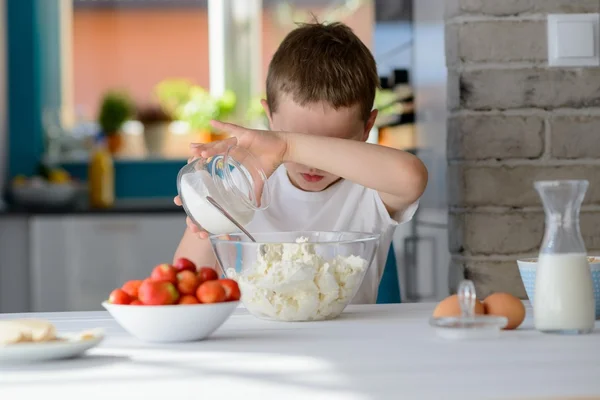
(190, 224)
(269, 148)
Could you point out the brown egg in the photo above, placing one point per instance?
(449, 307)
(505, 305)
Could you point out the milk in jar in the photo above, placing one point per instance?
(564, 294)
(564, 297)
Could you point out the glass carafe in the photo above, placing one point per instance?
(564, 295)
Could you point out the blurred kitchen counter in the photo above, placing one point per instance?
(69, 259)
(122, 206)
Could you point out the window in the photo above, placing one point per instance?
(154, 59)
(117, 55)
(59, 69)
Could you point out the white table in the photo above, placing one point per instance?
(372, 352)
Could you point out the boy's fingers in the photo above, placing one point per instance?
(219, 147)
(194, 228)
(191, 225)
(232, 129)
(206, 150)
(196, 150)
(177, 200)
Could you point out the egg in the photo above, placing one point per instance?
(450, 307)
(505, 305)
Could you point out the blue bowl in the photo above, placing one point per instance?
(527, 269)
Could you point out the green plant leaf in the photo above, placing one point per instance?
(226, 104)
(116, 108)
(173, 93)
(200, 108)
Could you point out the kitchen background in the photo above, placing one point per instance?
(62, 60)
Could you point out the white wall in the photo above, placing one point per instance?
(3, 95)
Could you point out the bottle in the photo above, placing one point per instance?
(564, 295)
(101, 176)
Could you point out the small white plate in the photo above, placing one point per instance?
(477, 327)
(71, 345)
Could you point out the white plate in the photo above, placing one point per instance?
(477, 327)
(72, 346)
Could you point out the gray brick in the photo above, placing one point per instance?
(517, 7)
(457, 240)
(500, 41)
(451, 44)
(575, 137)
(495, 137)
(453, 90)
(490, 233)
(490, 277)
(529, 87)
(471, 185)
(456, 273)
(590, 221)
(515, 232)
(451, 8)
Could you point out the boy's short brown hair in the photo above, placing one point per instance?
(323, 62)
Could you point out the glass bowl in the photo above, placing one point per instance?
(296, 276)
(234, 179)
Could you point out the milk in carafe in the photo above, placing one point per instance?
(564, 294)
(564, 299)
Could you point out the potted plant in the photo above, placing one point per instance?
(173, 94)
(183, 101)
(115, 109)
(156, 127)
(201, 107)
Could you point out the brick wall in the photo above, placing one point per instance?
(512, 120)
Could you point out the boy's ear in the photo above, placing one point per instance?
(265, 106)
(369, 124)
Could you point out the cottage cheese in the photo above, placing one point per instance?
(291, 282)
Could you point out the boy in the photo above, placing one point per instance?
(322, 175)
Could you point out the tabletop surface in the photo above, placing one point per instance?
(370, 352)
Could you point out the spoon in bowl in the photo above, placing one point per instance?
(229, 217)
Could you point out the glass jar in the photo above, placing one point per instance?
(234, 179)
(564, 294)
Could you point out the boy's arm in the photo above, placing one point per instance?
(398, 176)
(197, 250)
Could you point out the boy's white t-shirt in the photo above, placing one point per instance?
(344, 206)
